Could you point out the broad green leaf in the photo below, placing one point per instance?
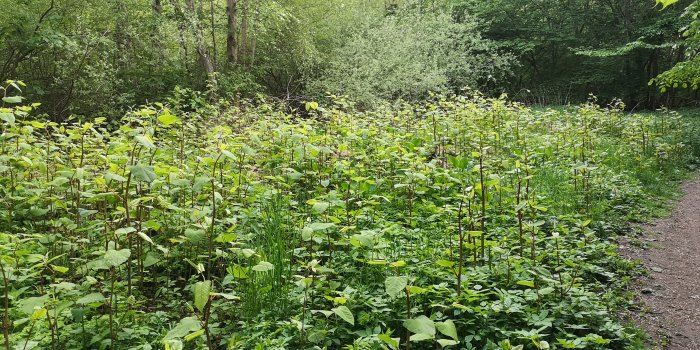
(144, 237)
(263, 266)
(392, 342)
(201, 294)
(60, 269)
(311, 106)
(321, 226)
(324, 312)
(307, 233)
(194, 235)
(145, 141)
(30, 304)
(421, 337)
(124, 231)
(151, 259)
(142, 173)
(114, 177)
(395, 285)
(530, 284)
(167, 119)
(377, 262)
(114, 258)
(445, 263)
(91, 298)
(546, 290)
(447, 328)
(420, 325)
(195, 335)
(186, 326)
(226, 237)
(415, 290)
(320, 207)
(38, 314)
(344, 313)
(399, 263)
(173, 344)
(228, 155)
(7, 117)
(447, 342)
(12, 99)
(64, 286)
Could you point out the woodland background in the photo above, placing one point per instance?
(105, 57)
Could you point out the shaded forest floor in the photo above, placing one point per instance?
(668, 297)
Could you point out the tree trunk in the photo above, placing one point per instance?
(213, 33)
(244, 32)
(253, 39)
(231, 42)
(181, 32)
(156, 37)
(199, 39)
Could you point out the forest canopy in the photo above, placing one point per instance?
(105, 57)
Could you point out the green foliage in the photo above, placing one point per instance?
(685, 74)
(568, 49)
(666, 3)
(408, 55)
(459, 222)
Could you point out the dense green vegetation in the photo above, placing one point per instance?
(460, 222)
(167, 180)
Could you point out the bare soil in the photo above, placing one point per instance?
(669, 297)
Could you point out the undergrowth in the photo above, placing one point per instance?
(461, 222)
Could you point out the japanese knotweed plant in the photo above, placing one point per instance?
(458, 222)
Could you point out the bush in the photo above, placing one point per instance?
(410, 54)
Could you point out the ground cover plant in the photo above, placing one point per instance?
(458, 222)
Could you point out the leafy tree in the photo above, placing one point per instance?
(408, 54)
(685, 74)
(567, 49)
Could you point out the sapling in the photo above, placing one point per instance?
(6, 304)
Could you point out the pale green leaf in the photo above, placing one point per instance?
(201, 294)
(421, 337)
(12, 99)
(144, 237)
(186, 326)
(344, 313)
(145, 141)
(167, 119)
(91, 298)
(394, 285)
(7, 117)
(263, 266)
(420, 325)
(447, 328)
(447, 342)
(142, 173)
(114, 258)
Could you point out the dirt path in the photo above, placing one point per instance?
(670, 296)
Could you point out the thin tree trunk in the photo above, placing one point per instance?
(254, 36)
(181, 30)
(231, 42)
(213, 33)
(244, 32)
(199, 39)
(157, 8)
